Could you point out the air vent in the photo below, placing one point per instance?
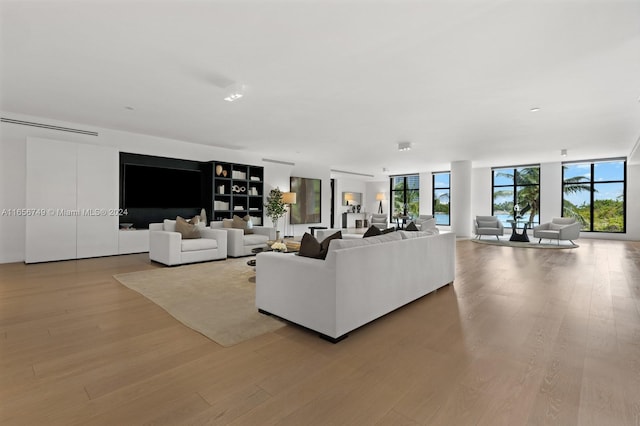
(47, 126)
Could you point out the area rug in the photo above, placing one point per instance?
(507, 243)
(217, 299)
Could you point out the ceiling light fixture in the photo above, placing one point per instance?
(563, 152)
(233, 97)
(236, 93)
(404, 146)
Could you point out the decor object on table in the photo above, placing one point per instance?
(218, 170)
(289, 198)
(279, 246)
(380, 198)
(560, 228)
(488, 225)
(168, 246)
(203, 216)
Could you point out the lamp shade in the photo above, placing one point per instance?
(380, 196)
(348, 196)
(289, 197)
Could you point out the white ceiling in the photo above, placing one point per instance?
(338, 82)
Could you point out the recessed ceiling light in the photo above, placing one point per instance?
(404, 146)
(534, 109)
(563, 152)
(233, 97)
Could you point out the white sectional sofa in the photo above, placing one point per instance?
(359, 281)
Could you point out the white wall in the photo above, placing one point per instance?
(13, 168)
(349, 185)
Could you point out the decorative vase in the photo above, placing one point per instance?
(218, 170)
(224, 173)
(277, 235)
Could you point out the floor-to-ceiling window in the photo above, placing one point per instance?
(594, 193)
(516, 194)
(405, 196)
(441, 197)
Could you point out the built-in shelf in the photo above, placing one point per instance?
(238, 189)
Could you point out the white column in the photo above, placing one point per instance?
(461, 198)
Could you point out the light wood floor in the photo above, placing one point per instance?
(523, 336)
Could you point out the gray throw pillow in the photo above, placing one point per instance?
(372, 232)
(187, 230)
(310, 247)
(411, 227)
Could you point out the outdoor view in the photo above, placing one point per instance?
(516, 193)
(405, 192)
(593, 193)
(441, 196)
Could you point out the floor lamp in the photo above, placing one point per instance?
(289, 198)
(380, 197)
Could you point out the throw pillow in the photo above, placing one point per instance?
(227, 223)
(242, 223)
(372, 232)
(411, 227)
(186, 229)
(487, 224)
(388, 230)
(310, 247)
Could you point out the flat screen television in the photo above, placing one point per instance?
(308, 200)
(161, 187)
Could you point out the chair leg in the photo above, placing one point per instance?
(539, 240)
(497, 238)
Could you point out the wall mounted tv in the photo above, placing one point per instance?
(308, 200)
(161, 187)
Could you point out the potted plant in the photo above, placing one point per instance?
(275, 207)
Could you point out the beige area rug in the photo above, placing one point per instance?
(217, 299)
(507, 243)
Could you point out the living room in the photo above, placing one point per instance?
(81, 348)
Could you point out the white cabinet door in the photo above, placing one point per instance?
(97, 203)
(51, 185)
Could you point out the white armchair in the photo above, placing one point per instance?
(380, 220)
(488, 225)
(560, 228)
(239, 244)
(167, 246)
(425, 221)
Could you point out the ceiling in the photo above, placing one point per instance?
(338, 82)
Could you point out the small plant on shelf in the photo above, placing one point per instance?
(275, 207)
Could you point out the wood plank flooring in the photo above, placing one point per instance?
(522, 337)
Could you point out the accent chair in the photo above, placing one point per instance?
(560, 228)
(167, 246)
(488, 225)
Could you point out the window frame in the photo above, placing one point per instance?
(514, 186)
(433, 196)
(404, 191)
(592, 184)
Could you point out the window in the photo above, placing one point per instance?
(516, 194)
(405, 196)
(441, 197)
(594, 193)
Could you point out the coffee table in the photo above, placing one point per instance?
(515, 236)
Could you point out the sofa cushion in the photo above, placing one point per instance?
(487, 224)
(372, 232)
(169, 225)
(186, 229)
(411, 227)
(417, 234)
(198, 244)
(341, 244)
(310, 247)
(255, 239)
